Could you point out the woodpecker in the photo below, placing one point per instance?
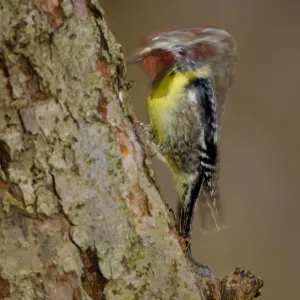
(190, 71)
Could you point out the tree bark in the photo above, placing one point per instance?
(80, 214)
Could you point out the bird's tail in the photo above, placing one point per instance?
(211, 211)
(197, 193)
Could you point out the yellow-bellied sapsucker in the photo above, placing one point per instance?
(191, 71)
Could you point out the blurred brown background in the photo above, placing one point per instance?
(260, 143)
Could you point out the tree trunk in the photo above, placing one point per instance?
(80, 214)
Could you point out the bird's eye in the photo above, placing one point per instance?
(182, 52)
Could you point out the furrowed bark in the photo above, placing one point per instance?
(80, 214)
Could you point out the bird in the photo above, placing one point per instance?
(190, 72)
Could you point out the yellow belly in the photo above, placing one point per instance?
(164, 99)
(160, 112)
